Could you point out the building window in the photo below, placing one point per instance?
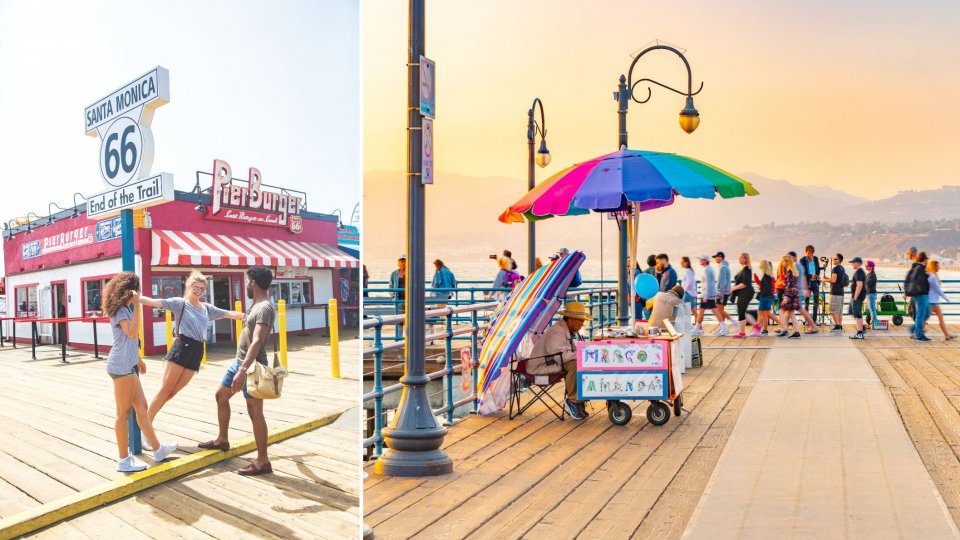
(92, 297)
(27, 301)
(167, 287)
(291, 291)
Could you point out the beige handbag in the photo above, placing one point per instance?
(265, 382)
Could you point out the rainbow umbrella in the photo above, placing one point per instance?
(528, 308)
(617, 181)
(637, 180)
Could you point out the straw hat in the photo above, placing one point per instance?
(575, 310)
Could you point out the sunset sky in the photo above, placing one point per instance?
(857, 95)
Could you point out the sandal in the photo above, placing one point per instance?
(213, 445)
(253, 470)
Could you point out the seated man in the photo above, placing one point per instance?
(555, 353)
(661, 306)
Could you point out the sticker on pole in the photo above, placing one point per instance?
(426, 143)
(428, 87)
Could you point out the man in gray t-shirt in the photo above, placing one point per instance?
(257, 327)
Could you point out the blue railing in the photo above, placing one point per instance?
(376, 324)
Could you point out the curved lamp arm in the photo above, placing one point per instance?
(630, 83)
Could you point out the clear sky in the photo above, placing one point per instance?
(858, 95)
(264, 84)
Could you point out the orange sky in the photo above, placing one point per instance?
(860, 96)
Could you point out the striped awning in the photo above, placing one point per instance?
(191, 248)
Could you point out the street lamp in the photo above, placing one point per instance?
(689, 120)
(542, 159)
(414, 437)
(75, 212)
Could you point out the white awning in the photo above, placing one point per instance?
(182, 248)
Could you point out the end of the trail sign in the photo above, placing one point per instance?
(139, 194)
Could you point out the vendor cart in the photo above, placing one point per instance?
(617, 370)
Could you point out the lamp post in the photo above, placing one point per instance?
(689, 120)
(541, 158)
(414, 438)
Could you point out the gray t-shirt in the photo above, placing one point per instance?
(125, 353)
(260, 313)
(195, 320)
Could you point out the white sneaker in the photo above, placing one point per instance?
(696, 332)
(130, 464)
(164, 451)
(722, 332)
(145, 445)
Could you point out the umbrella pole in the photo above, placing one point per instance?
(633, 233)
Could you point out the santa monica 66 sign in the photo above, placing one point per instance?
(122, 121)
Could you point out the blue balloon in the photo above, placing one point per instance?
(646, 286)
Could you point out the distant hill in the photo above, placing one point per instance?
(462, 220)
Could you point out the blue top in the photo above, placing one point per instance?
(709, 284)
(668, 278)
(125, 353)
(723, 279)
(444, 279)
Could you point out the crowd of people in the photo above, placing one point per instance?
(123, 303)
(785, 293)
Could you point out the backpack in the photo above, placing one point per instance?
(888, 303)
(512, 278)
(844, 279)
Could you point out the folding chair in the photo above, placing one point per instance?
(539, 386)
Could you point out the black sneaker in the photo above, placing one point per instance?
(583, 408)
(837, 329)
(573, 409)
(795, 335)
(764, 333)
(858, 335)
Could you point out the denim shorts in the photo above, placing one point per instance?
(766, 303)
(231, 373)
(136, 371)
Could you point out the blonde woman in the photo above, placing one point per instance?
(791, 297)
(765, 298)
(120, 302)
(191, 316)
(937, 296)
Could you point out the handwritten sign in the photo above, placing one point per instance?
(622, 355)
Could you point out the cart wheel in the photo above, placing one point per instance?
(619, 412)
(677, 405)
(658, 413)
(897, 320)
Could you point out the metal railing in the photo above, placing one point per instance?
(376, 324)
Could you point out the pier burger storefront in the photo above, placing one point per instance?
(58, 265)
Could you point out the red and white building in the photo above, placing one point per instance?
(58, 266)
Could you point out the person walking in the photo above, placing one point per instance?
(398, 278)
(811, 267)
(791, 298)
(937, 296)
(765, 299)
(257, 327)
(724, 282)
(802, 282)
(709, 295)
(838, 281)
(917, 288)
(191, 316)
(668, 276)
(689, 281)
(121, 302)
(858, 293)
(872, 293)
(443, 278)
(743, 289)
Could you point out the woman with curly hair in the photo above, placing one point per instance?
(191, 317)
(121, 303)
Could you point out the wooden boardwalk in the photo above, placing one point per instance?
(537, 477)
(57, 440)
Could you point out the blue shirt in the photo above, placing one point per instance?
(668, 279)
(709, 284)
(444, 279)
(723, 279)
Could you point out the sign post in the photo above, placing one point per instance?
(122, 121)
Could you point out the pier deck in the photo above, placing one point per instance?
(58, 443)
(537, 477)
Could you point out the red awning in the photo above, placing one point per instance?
(189, 248)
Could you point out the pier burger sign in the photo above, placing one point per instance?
(122, 121)
(251, 203)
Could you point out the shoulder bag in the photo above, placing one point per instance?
(185, 350)
(264, 382)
